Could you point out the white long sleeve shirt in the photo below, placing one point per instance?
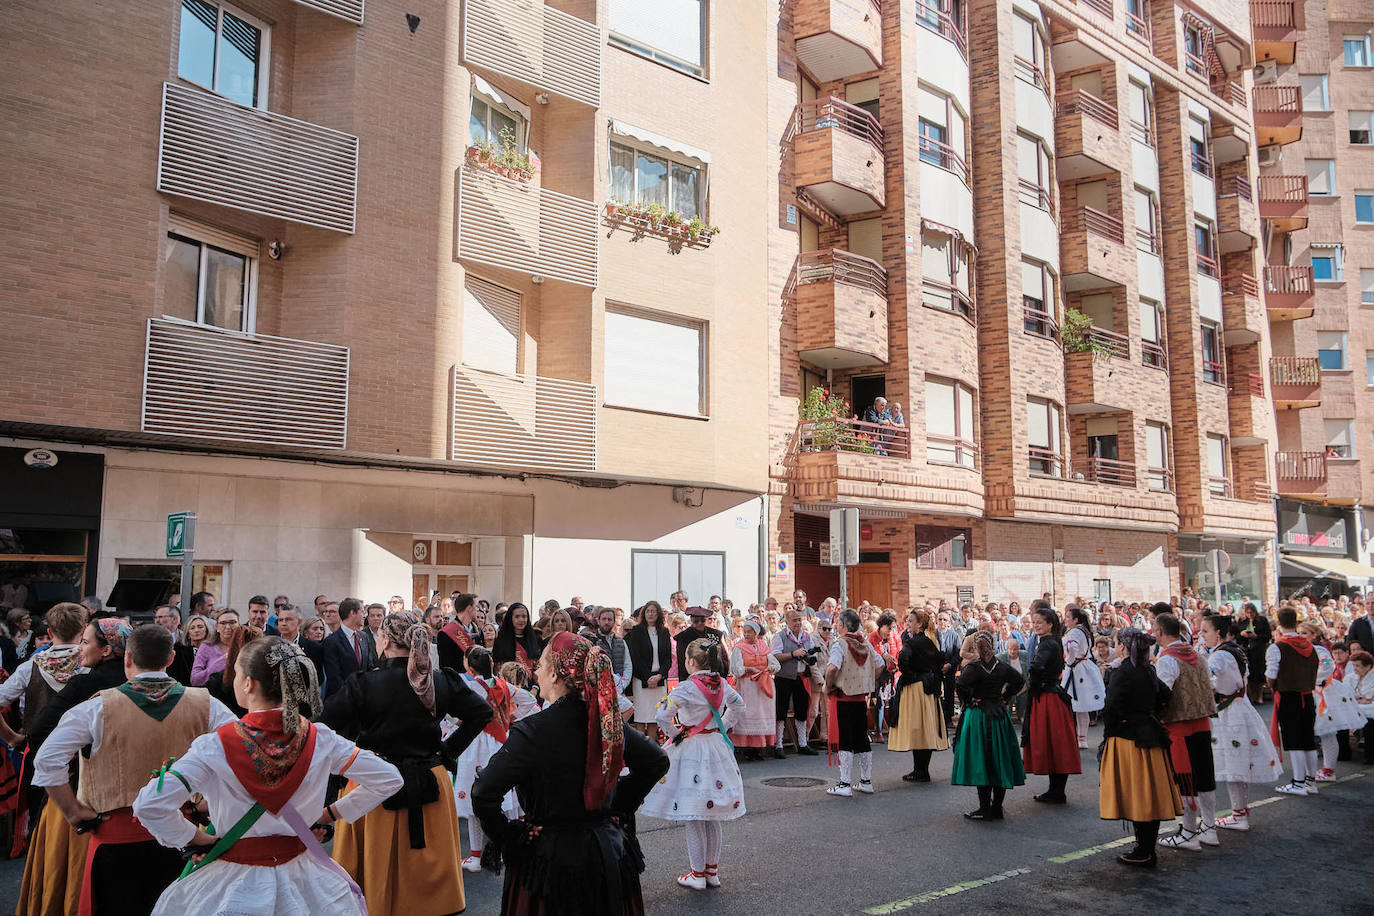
(1166, 666)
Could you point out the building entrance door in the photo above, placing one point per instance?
(872, 583)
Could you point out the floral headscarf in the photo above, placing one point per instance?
(987, 649)
(114, 631)
(588, 673)
(405, 631)
(298, 683)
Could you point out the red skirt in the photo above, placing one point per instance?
(1050, 742)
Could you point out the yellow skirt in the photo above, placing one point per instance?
(1137, 784)
(52, 872)
(920, 723)
(395, 878)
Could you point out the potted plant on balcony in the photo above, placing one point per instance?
(825, 414)
(613, 208)
(1078, 337)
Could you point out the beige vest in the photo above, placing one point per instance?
(133, 745)
(1192, 696)
(853, 679)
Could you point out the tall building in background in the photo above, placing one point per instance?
(386, 293)
(1317, 202)
(1035, 227)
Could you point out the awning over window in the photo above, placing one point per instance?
(1308, 566)
(663, 143)
(492, 94)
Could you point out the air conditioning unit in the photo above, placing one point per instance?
(1266, 71)
(1270, 155)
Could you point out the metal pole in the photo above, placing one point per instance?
(844, 592)
(1216, 577)
(188, 557)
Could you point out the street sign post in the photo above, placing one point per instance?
(844, 546)
(181, 542)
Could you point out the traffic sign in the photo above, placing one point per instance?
(782, 566)
(181, 533)
(844, 538)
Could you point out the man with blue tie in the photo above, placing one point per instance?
(349, 649)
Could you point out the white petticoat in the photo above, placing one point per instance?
(470, 763)
(1342, 712)
(703, 783)
(300, 887)
(1087, 692)
(1241, 748)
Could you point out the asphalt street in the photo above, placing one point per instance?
(908, 850)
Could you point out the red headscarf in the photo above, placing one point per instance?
(588, 673)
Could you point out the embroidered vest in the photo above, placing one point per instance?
(133, 744)
(1296, 673)
(792, 667)
(1192, 696)
(854, 679)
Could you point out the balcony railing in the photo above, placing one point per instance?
(1283, 189)
(1146, 241)
(1160, 480)
(1194, 64)
(1295, 371)
(1141, 134)
(1038, 320)
(1084, 102)
(522, 421)
(1202, 165)
(943, 155)
(1153, 354)
(1240, 285)
(348, 10)
(1032, 74)
(1248, 384)
(1108, 471)
(1288, 280)
(833, 265)
(1235, 93)
(1235, 186)
(830, 112)
(1110, 343)
(1207, 265)
(1278, 99)
(1137, 27)
(1045, 463)
(951, 450)
(1214, 371)
(1272, 14)
(1036, 196)
(1300, 467)
(506, 223)
(947, 297)
(936, 15)
(1088, 219)
(842, 435)
(536, 44)
(1219, 486)
(1102, 6)
(207, 383)
(216, 150)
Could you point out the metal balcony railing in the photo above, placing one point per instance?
(1096, 222)
(348, 10)
(1081, 101)
(1110, 343)
(1295, 371)
(537, 44)
(937, 16)
(848, 435)
(1046, 463)
(1038, 320)
(1028, 71)
(833, 265)
(1153, 354)
(941, 154)
(951, 450)
(830, 112)
(506, 223)
(522, 421)
(1109, 471)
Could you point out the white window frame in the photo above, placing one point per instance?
(1336, 252)
(1215, 488)
(1367, 286)
(642, 48)
(703, 360)
(1330, 171)
(1143, 131)
(1349, 436)
(1054, 426)
(964, 450)
(522, 124)
(1369, 368)
(1364, 193)
(264, 63)
(210, 237)
(1361, 39)
(657, 152)
(1344, 350)
(1352, 125)
(1159, 479)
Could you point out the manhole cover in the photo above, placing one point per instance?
(794, 782)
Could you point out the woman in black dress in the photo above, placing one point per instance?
(1049, 743)
(575, 851)
(516, 640)
(1254, 633)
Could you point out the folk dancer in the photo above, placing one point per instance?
(1336, 710)
(1048, 742)
(986, 752)
(850, 676)
(1290, 670)
(1082, 678)
(753, 666)
(500, 696)
(1188, 719)
(919, 724)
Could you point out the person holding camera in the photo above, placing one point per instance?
(796, 651)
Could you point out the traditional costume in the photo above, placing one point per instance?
(1188, 719)
(265, 779)
(920, 722)
(394, 711)
(703, 785)
(512, 647)
(855, 665)
(1082, 680)
(1241, 750)
(1049, 744)
(454, 641)
(1291, 662)
(1336, 712)
(575, 852)
(791, 684)
(132, 730)
(501, 697)
(756, 725)
(986, 752)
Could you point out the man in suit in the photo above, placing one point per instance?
(698, 630)
(258, 612)
(348, 649)
(183, 656)
(950, 642)
(289, 622)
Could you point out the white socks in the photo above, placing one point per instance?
(1298, 761)
(704, 839)
(715, 836)
(846, 766)
(866, 766)
(1311, 764)
(1207, 801)
(476, 838)
(801, 734)
(1190, 813)
(1329, 751)
(1240, 797)
(781, 725)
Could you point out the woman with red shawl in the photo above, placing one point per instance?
(575, 851)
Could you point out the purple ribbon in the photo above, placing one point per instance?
(294, 820)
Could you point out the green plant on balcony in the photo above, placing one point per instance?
(826, 418)
(1078, 336)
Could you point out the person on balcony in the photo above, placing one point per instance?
(878, 414)
(897, 418)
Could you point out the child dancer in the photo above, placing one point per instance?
(500, 696)
(1336, 709)
(703, 786)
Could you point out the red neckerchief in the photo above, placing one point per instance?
(523, 658)
(711, 687)
(456, 631)
(1181, 651)
(502, 702)
(1299, 644)
(857, 646)
(270, 763)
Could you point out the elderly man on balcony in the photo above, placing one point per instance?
(878, 414)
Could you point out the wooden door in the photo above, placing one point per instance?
(419, 590)
(871, 582)
(450, 584)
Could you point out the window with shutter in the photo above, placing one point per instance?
(671, 32)
(655, 363)
(491, 327)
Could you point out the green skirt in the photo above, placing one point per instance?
(987, 752)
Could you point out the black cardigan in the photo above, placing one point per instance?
(640, 648)
(1046, 666)
(1135, 699)
(919, 657)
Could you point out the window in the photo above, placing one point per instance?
(1192, 44)
(1152, 334)
(1142, 121)
(1219, 477)
(1321, 177)
(1331, 350)
(942, 130)
(1369, 368)
(1157, 473)
(491, 326)
(1033, 162)
(1206, 251)
(1328, 262)
(950, 437)
(1213, 370)
(1044, 437)
(1316, 95)
(1146, 221)
(1029, 45)
(493, 121)
(671, 32)
(656, 574)
(1360, 132)
(1197, 143)
(1138, 18)
(1037, 298)
(655, 363)
(943, 548)
(932, 138)
(1340, 438)
(209, 276)
(1366, 286)
(1364, 207)
(946, 280)
(863, 94)
(224, 50)
(641, 177)
(1356, 50)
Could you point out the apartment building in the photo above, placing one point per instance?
(1033, 225)
(1317, 202)
(395, 297)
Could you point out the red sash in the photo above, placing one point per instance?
(120, 826)
(523, 658)
(715, 697)
(502, 702)
(455, 631)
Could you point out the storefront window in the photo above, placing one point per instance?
(41, 567)
(1245, 577)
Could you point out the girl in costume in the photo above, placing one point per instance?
(986, 752)
(920, 724)
(1336, 709)
(1082, 678)
(1048, 743)
(500, 696)
(703, 786)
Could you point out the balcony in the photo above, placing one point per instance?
(1283, 201)
(1276, 26)
(1300, 474)
(536, 44)
(1278, 115)
(1070, 52)
(1093, 251)
(1154, 355)
(522, 421)
(1109, 472)
(1252, 420)
(249, 388)
(838, 150)
(1344, 482)
(1103, 378)
(1242, 312)
(1295, 382)
(856, 436)
(523, 227)
(841, 301)
(221, 152)
(1087, 136)
(347, 10)
(1238, 222)
(838, 38)
(940, 17)
(1288, 294)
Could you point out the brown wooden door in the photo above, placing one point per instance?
(871, 582)
(450, 584)
(419, 590)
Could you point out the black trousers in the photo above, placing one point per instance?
(790, 691)
(1297, 715)
(851, 724)
(947, 695)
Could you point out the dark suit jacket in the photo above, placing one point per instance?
(182, 659)
(1362, 632)
(340, 660)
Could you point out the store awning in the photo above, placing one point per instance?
(1306, 565)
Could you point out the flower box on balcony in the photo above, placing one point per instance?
(657, 220)
(487, 161)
